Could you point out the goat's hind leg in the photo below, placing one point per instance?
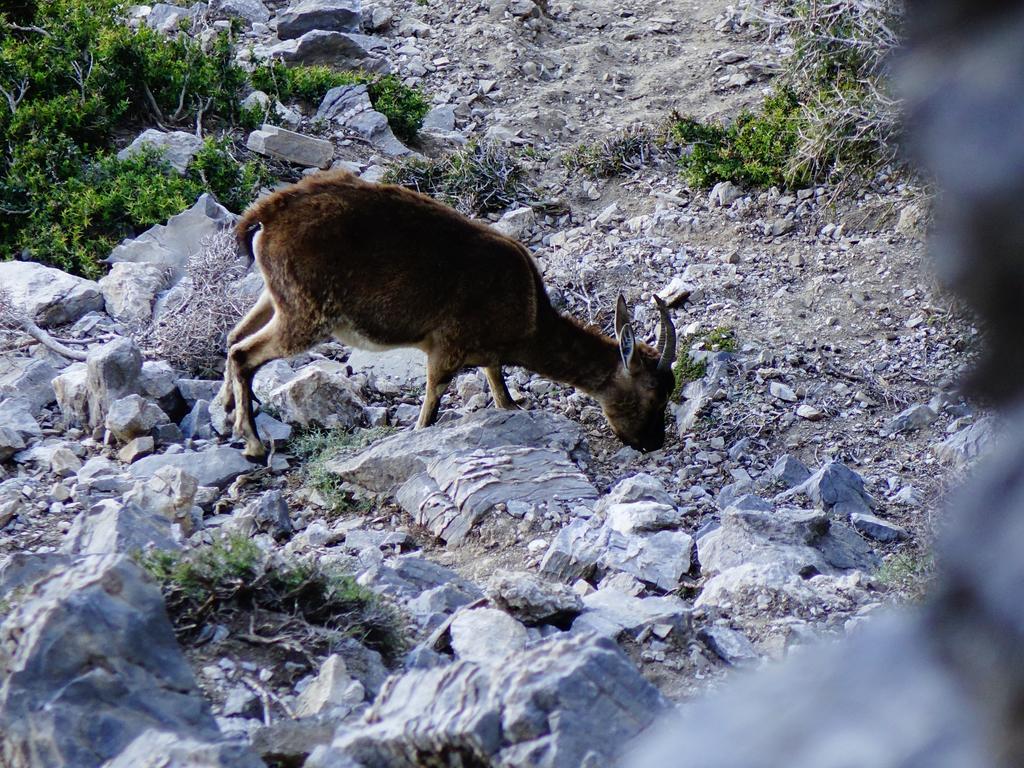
(258, 316)
(245, 357)
(499, 391)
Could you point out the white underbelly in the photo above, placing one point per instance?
(352, 338)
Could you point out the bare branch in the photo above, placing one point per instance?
(14, 100)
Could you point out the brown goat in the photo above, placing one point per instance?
(379, 266)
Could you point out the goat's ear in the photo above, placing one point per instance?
(627, 346)
(621, 315)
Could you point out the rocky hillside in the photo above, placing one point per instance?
(504, 588)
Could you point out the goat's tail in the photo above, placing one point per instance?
(257, 216)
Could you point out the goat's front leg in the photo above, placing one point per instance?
(440, 371)
(499, 391)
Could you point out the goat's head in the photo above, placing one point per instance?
(635, 397)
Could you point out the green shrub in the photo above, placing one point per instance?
(483, 178)
(626, 151)
(404, 107)
(78, 222)
(233, 576)
(315, 447)
(73, 77)
(755, 150)
(234, 183)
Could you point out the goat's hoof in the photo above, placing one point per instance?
(256, 456)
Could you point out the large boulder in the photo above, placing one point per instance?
(457, 490)
(328, 15)
(47, 295)
(212, 467)
(349, 106)
(344, 50)
(110, 528)
(71, 389)
(390, 462)
(130, 289)
(318, 397)
(78, 691)
(30, 380)
(133, 416)
(170, 245)
(568, 701)
(113, 371)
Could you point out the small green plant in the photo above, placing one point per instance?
(315, 447)
(403, 106)
(721, 339)
(232, 576)
(235, 184)
(483, 178)
(689, 368)
(908, 574)
(755, 150)
(628, 150)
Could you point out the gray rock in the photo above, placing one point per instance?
(47, 295)
(876, 528)
(517, 223)
(539, 709)
(31, 381)
(638, 487)
(110, 527)
(270, 513)
(574, 552)
(730, 492)
(15, 415)
(250, 10)
(723, 194)
(213, 466)
(289, 742)
(177, 147)
(659, 559)
(966, 445)
(167, 18)
(440, 119)
(136, 448)
(457, 490)
(730, 646)
(13, 498)
(170, 245)
(307, 15)
(292, 147)
(913, 418)
(133, 416)
(642, 516)
(272, 431)
(343, 50)
(64, 463)
(835, 487)
(486, 636)
(697, 394)
(392, 461)
(781, 391)
(20, 570)
(268, 378)
(197, 425)
(192, 390)
(130, 289)
(350, 107)
(101, 478)
(406, 367)
(316, 397)
(159, 382)
(78, 691)
(156, 748)
(11, 442)
(169, 493)
(410, 575)
(113, 371)
(71, 389)
(612, 613)
(333, 691)
(789, 471)
(532, 599)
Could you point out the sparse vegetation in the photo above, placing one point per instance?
(907, 573)
(235, 183)
(831, 119)
(628, 150)
(232, 576)
(483, 178)
(689, 368)
(403, 106)
(315, 447)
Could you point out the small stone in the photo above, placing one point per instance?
(876, 528)
(809, 412)
(136, 449)
(486, 636)
(333, 689)
(782, 392)
(723, 194)
(293, 147)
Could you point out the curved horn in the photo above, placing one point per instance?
(666, 338)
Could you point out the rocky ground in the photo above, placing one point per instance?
(548, 585)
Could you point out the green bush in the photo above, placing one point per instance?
(73, 77)
(230, 578)
(755, 150)
(235, 184)
(483, 178)
(404, 107)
